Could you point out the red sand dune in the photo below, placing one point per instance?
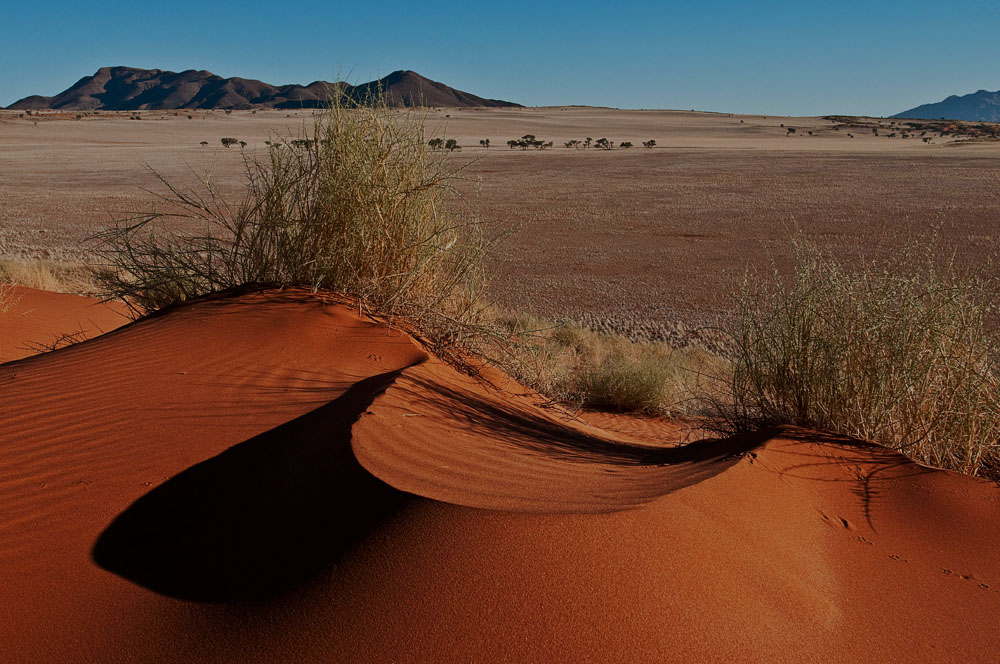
(37, 319)
(269, 477)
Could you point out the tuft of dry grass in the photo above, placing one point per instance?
(572, 364)
(355, 204)
(58, 277)
(899, 352)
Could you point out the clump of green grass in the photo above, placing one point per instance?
(900, 352)
(355, 204)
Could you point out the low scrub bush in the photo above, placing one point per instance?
(899, 352)
(356, 205)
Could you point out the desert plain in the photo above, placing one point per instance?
(637, 236)
(267, 476)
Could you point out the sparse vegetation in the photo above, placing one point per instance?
(361, 208)
(649, 144)
(899, 353)
(228, 141)
(604, 144)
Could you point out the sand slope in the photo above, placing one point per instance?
(37, 319)
(269, 477)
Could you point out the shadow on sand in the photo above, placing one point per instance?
(259, 519)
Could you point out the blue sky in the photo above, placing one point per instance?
(796, 58)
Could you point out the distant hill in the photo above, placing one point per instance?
(131, 89)
(982, 106)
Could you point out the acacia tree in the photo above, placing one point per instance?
(587, 141)
(436, 143)
(604, 144)
(625, 145)
(451, 145)
(485, 143)
(528, 141)
(649, 144)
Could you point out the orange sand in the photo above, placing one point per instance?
(37, 320)
(269, 477)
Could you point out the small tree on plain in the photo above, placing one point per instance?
(451, 145)
(625, 145)
(229, 140)
(649, 144)
(572, 144)
(436, 143)
(604, 144)
(485, 143)
(587, 141)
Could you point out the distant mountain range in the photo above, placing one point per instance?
(982, 106)
(131, 89)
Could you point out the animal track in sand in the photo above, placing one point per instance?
(966, 577)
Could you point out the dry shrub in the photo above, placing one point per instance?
(355, 204)
(899, 352)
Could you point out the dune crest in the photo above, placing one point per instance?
(267, 476)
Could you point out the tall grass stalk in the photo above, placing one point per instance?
(900, 353)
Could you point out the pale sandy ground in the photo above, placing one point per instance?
(641, 235)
